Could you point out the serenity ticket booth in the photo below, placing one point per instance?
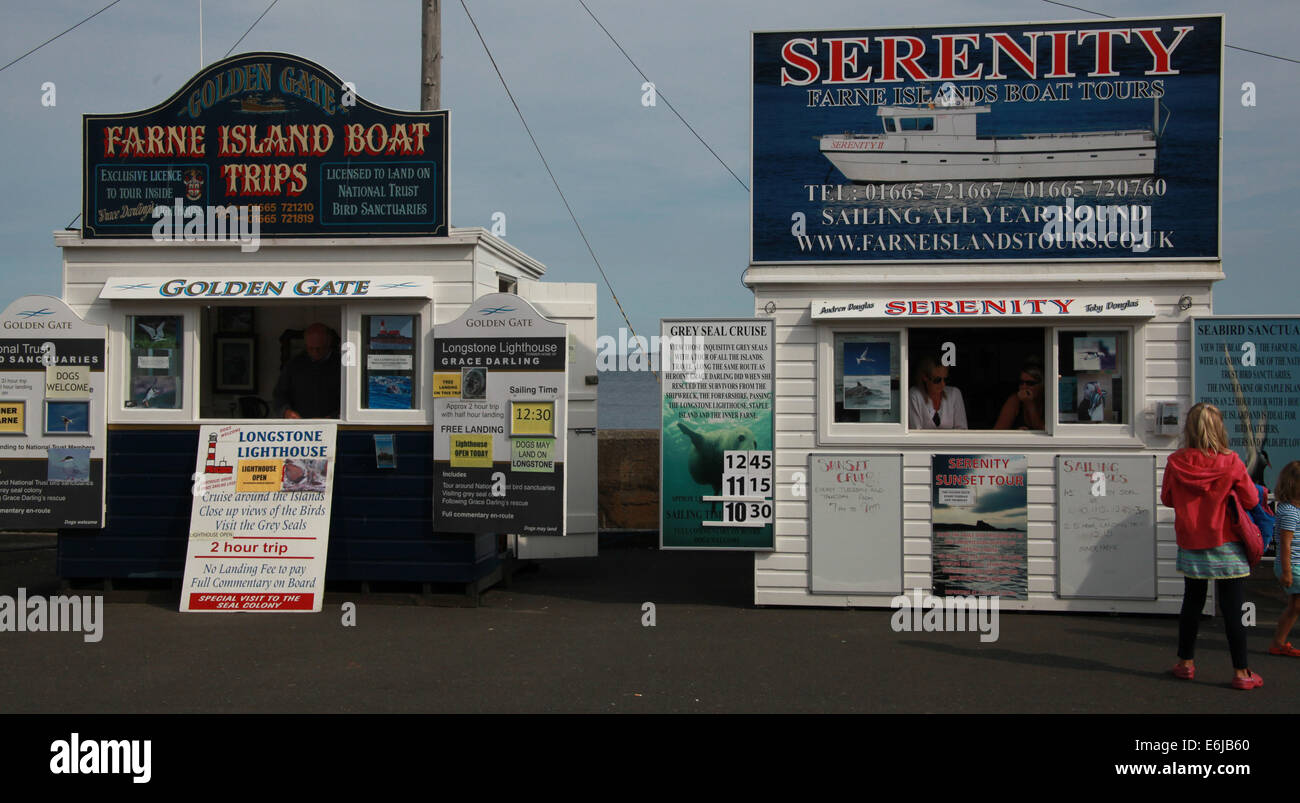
(269, 255)
(977, 381)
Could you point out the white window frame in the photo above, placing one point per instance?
(1055, 436)
(830, 431)
(421, 393)
(119, 340)
(1134, 379)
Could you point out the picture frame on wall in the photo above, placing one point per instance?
(235, 320)
(235, 365)
(157, 362)
(67, 417)
(292, 343)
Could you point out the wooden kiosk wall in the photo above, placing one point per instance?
(1161, 365)
(381, 519)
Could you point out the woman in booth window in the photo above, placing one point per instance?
(932, 404)
(1024, 408)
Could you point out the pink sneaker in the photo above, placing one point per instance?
(1183, 672)
(1251, 681)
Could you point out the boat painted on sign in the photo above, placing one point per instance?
(941, 143)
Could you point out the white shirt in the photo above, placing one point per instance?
(952, 411)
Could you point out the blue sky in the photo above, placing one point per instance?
(670, 225)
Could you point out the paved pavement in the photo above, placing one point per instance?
(569, 638)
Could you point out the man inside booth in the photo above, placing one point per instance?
(309, 384)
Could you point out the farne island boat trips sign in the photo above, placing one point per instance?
(270, 135)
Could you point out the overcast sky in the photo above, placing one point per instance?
(669, 224)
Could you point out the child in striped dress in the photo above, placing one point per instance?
(1288, 556)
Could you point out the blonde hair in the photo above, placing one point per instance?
(1204, 430)
(924, 370)
(1288, 484)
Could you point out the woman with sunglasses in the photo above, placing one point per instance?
(932, 404)
(1024, 408)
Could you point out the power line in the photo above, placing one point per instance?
(554, 181)
(661, 95)
(1080, 8)
(115, 2)
(1262, 53)
(1230, 47)
(251, 27)
(52, 38)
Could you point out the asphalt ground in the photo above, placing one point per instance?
(569, 637)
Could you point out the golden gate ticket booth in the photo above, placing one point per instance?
(269, 254)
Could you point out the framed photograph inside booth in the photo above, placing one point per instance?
(867, 377)
(389, 359)
(235, 365)
(156, 368)
(235, 320)
(1093, 376)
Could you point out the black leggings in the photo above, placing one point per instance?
(1231, 595)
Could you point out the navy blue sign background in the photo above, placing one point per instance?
(790, 174)
(275, 131)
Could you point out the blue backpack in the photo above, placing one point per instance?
(1263, 517)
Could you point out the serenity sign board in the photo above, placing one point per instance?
(1064, 140)
(269, 141)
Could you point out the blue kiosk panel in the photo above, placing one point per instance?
(381, 523)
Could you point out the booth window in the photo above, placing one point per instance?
(388, 361)
(1090, 389)
(992, 378)
(867, 377)
(156, 368)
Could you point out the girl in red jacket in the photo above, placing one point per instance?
(1198, 480)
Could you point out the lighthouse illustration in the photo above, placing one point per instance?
(211, 466)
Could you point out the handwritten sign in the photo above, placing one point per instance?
(1106, 527)
(856, 519)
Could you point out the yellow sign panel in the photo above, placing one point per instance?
(532, 418)
(258, 476)
(13, 417)
(471, 451)
(446, 384)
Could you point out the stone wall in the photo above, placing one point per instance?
(628, 479)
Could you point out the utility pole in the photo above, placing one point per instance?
(431, 55)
